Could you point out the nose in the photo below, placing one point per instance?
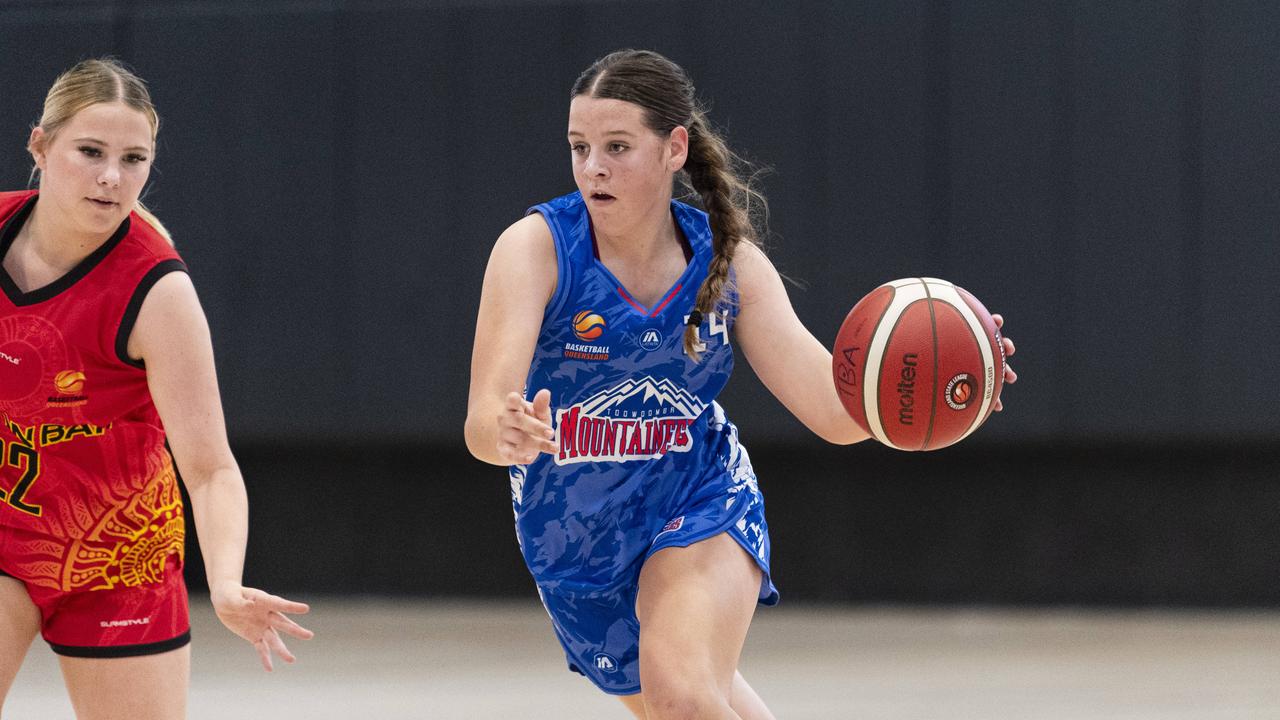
(110, 175)
(595, 167)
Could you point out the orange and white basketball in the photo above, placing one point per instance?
(918, 364)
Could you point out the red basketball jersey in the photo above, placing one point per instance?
(88, 494)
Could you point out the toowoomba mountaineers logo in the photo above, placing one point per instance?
(636, 420)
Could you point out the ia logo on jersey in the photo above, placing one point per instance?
(605, 662)
(637, 419)
(650, 339)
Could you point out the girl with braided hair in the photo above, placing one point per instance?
(602, 342)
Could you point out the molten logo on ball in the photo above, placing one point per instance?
(959, 391)
(69, 382)
(588, 326)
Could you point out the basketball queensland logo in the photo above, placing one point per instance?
(635, 420)
(69, 382)
(69, 385)
(587, 328)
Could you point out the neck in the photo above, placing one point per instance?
(57, 244)
(648, 236)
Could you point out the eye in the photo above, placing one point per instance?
(617, 147)
(90, 150)
(578, 148)
(134, 159)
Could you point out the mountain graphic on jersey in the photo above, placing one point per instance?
(638, 419)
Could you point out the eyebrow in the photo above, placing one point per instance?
(625, 133)
(99, 142)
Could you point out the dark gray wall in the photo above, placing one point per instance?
(1105, 174)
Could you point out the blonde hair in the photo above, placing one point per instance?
(89, 82)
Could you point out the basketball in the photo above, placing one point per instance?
(918, 364)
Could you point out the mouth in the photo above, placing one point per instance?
(102, 203)
(602, 197)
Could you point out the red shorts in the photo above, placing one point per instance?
(121, 621)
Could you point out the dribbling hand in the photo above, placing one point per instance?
(524, 428)
(1010, 376)
(259, 618)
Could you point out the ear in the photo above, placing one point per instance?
(678, 145)
(36, 146)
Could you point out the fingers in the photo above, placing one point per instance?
(278, 604)
(525, 417)
(524, 428)
(1007, 345)
(269, 643)
(520, 442)
(286, 625)
(261, 618)
(535, 427)
(515, 402)
(264, 654)
(278, 647)
(542, 406)
(266, 602)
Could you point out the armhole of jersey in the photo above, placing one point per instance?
(135, 305)
(731, 294)
(561, 295)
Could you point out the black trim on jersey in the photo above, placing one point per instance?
(40, 294)
(135, 304)
(123, 651)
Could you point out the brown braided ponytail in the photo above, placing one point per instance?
(733, 206)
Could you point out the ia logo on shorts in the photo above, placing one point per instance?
(606, 663)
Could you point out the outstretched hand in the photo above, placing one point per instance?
(524, 428)
(1010, 376)
(259, 617)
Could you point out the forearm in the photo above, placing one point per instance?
(482, 435)
(221, 509)
(839, 428)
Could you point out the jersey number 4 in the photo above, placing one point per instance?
(717, 326)
(26, 461)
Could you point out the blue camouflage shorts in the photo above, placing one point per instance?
(599, 629)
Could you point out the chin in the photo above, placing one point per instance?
(102, 223)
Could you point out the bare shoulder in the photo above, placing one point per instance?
(755, 274)
(529, 237)
(173, 284)
(524, 257)
(172, 299)
(170, 316)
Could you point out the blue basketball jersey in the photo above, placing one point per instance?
(639, 433)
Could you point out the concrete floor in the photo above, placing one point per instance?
(392, 660)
